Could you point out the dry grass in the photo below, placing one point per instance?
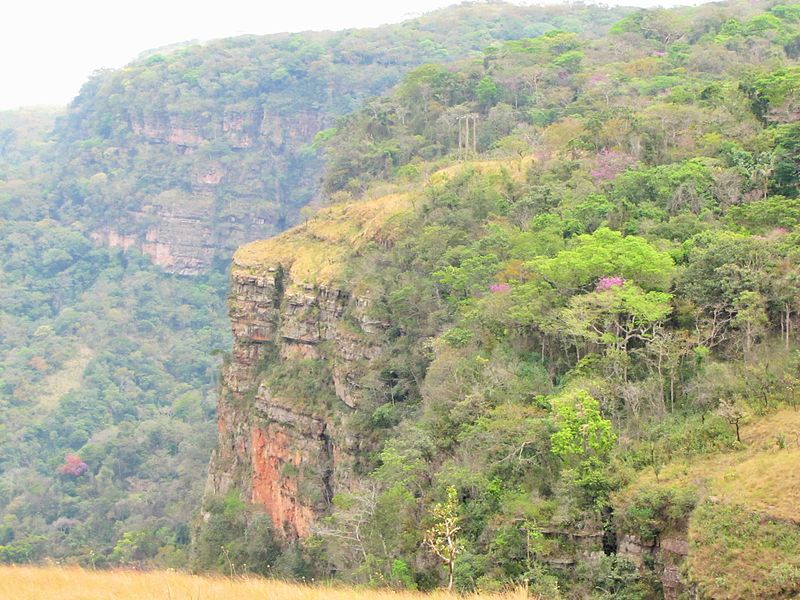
(768, 483)
(516, 168)
(73, 583)
(737, 554)
(763, 477)
(744, 535)
(64, 380)
(315, 252)
(762, 432)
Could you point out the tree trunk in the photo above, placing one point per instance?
(450, 569)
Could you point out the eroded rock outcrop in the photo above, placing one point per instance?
(231, 182)
(288, 449)
(664, 555)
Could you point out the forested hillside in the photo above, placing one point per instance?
(565, 355)
(188, 153)
(108, 356)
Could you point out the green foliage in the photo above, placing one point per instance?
(615, 316)
(110, 359)
(443, 537)
(653, 511)
(605, 253)
(761, 216)
(581, 429)
(235, 539)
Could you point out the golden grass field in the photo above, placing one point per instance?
(74, 583)
(761, 477)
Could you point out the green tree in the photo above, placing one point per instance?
(581, 430)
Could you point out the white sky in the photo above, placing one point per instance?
(48, 48)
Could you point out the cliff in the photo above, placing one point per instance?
(195, 150)
(306, 336)
(301, 342)
(214, 202)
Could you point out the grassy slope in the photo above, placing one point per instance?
(316, 252)
(57, 583)
(745, 533)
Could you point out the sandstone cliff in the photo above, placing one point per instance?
(284, 444)
(211, 204)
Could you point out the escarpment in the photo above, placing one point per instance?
(229, 183)
(302, 340)
(192, 151)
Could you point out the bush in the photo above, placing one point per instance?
(656, 509)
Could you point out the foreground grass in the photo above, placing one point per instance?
(74, 583)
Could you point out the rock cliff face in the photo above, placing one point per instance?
(285, 447)
(214, 204)
(665, 555)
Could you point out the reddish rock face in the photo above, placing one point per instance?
(289, 455)
(275, 486)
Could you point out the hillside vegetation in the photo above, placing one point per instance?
(589, 325)
(587, 374)
(109, 362)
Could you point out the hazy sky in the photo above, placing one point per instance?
(49, 47)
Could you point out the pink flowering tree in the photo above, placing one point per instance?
(609, 164)
(73, 466)
(607, 283)
(499, 288)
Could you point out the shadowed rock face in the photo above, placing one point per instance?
(221, 203)
(289, 454)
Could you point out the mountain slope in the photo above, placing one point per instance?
(602, 291)
(108, 354)
(189, 153)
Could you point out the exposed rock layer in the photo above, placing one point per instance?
(288, 454)
(215, 204)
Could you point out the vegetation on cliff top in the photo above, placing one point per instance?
(316, 252)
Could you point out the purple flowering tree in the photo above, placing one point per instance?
(609, 164)
(499, 288)
(606, 283)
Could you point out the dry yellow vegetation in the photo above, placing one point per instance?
(316, 251)
(743, 535)
(762, 476)
(515, 168)
(74, 583)
(65, 380)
